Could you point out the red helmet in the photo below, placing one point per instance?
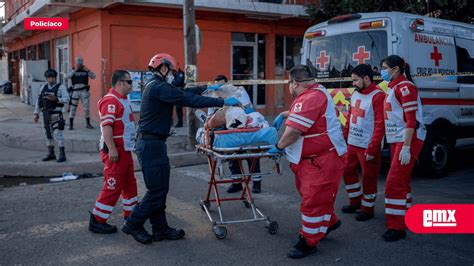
(159, 59)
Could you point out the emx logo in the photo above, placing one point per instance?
(441, 218)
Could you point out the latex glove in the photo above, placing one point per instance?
(404, 156)
(249, 110)
(275, 150)
(231, 101)
(215, 87)
(36, 118)
(278, 121)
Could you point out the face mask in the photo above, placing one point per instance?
(170, 78)
(385, 75)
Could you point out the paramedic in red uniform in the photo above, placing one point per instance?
(117, 143)
(314, 144)
(364, 133)
(405, 133)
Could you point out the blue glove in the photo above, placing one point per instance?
(215, 87)
(278, 121)
(249, 110)
(276, 150)
(231, 101)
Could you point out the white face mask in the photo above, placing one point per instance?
(170, 78)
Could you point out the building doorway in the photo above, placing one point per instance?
(62, 59)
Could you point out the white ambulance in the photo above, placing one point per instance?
(429, 45)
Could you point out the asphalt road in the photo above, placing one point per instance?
(47, 224)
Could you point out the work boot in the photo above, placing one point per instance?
(100, 228)
(71, 123)
(88, 123)
(236, 187)
(138, 233)
(179, 124)
(333, 227)
(62, 155)
(50, 155)
(256, 188)
(349, 208)
(363, 216)
(301, 249)
(168, 233)
(394, 235)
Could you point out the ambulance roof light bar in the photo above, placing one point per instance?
(344, 18)
(315, 34)
(372, 24)
(417, 24)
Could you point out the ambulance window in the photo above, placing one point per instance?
(465, 57)
(336, 56)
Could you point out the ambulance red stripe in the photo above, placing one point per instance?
(432, 101)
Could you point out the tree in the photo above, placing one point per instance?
(457, 10)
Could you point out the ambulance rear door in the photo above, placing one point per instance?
(465, 58)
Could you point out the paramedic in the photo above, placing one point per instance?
(405, 133)
(116, 145)
(158, 100)
(314, 144)
(364, 132)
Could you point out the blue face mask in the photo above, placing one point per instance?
(385, 75)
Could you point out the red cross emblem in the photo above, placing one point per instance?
(436, 56)
(322, 60)
(387, 106)
(357, 112)
(361, 55)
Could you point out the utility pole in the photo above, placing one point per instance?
(190, 58)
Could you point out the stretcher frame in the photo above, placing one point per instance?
(216, 158)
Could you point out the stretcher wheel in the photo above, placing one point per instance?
(205, 203)
(272, 228)
(219, 231)
(246, 204)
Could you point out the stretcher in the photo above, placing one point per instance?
(217, 158)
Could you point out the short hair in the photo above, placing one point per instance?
(118, 75)
(221, 77)
(363, 70)
(301, 73)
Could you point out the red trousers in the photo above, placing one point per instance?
(370, 172)
(119, 180)
(317, 181)
(397, 187)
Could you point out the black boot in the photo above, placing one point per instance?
(138, 233)
(168, 233)
(333, 227)
(257, 187)
(363, 216)
(71, 123)
(50, 155)
(301, 249)
(394, 235)
(236, 187)
(88, 123)
(179, 124)
(349, 208)
(100, 228)
(62, 155)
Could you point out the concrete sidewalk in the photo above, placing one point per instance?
(23, 144)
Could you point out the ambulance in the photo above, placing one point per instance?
(434, 49)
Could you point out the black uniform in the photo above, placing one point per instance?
(158, 101)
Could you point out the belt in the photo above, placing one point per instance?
(148, 136)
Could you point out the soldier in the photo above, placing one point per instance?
(79, 76)
(50, 101)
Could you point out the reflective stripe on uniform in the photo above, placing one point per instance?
(104, 207)
(370, 196)
(315, 219)
(129, 201)
(367, 204)
(100, 214)
(352, 186)
(401, 202)
(313, 231)
(355, 194)
(394, 211)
